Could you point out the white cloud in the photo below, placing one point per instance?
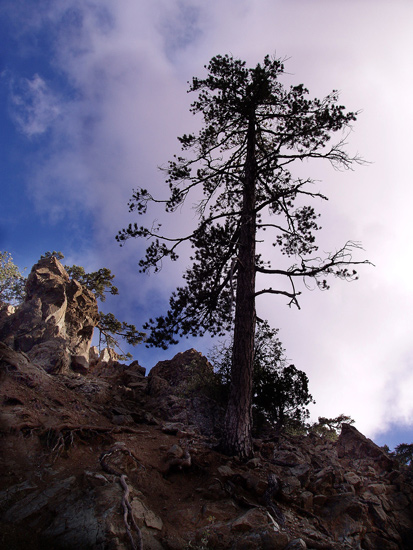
(129, 63)
(34, 106)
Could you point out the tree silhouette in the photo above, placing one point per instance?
(254, 130)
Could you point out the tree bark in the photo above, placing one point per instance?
(238, 419)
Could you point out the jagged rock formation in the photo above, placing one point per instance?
(101, 460)
(54, 325)
(184, 371)
(177, 388)
(107, 357)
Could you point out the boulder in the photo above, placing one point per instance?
(354, 445)
(5, 311)
(253, 519)
(296, 544)
(55, 323)
(53, 355)
(179, 390)
(187, 371)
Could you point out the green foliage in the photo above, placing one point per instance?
(203, 543)
(330, 427)
(280, 392)
(282, 395)
(404, 453)
(99, 282)
(111, 329)
(58, 255)
(12, 281)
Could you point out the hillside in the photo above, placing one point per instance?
(97, 455)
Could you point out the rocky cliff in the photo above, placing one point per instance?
(115, 459)
(54, 325)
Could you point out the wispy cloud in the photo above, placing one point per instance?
(180, 26)
(34, 106)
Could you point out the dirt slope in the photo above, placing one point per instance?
(67, 440)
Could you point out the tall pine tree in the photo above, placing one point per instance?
(254, 129)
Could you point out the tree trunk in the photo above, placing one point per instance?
(238, 419)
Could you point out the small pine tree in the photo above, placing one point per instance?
(330, 427)
(404, 453)
(12, 281)
(280, 393)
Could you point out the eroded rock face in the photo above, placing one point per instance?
(5, 311)
(358, 493)
(54, 325)
(353, 444)
(178, 391)
(187, 368)
(158, 431)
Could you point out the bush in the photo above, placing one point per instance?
(280, 392)
(330, 427)
(404, 453)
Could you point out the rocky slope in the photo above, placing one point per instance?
(115, 459)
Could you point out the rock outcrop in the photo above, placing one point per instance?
(54, 325)
(177, 388)
(184, 372)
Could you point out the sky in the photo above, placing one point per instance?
(93, 96)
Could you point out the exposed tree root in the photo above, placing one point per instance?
(59, 441)
(128, 514)
(74, 428)
(273, 489)
(128, 518)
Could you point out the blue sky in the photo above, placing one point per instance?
(93, 95)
